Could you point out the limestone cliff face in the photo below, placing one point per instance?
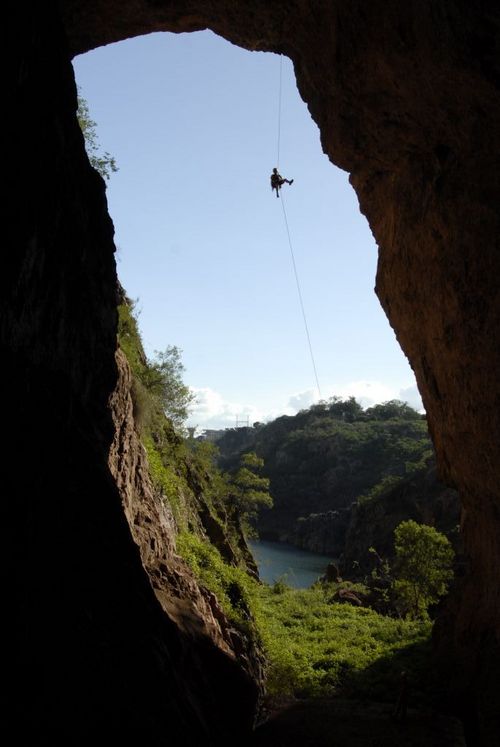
(349, 533)
(323, 532)
(195, 610)
(407, 99)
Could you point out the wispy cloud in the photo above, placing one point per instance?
(212, 410)
(411, 395)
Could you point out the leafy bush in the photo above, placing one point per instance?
(233, 587)
(316, 648)
(423, 567)
(104, 163)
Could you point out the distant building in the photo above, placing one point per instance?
(212, 435)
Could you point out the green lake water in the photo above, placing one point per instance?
(297, 568)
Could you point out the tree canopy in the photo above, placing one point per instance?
(250, 491)
(163, 378)
(423, 567)
(104, 163)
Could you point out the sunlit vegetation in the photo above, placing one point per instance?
(314, 645)
(235, 590)
(181, 469)
(423, 567)
(330, 455)
(101, 160)
(318, 647)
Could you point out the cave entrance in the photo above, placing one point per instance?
(192, 123)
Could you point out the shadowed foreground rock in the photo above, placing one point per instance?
(338, 723)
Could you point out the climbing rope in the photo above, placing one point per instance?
(306, 326)
(279, 113)
(289, 237)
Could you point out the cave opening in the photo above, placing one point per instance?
(192, 121)
(416, 127)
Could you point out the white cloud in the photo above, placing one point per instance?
(302, 400)
(211, 410)
(411, 395)
(367, 393)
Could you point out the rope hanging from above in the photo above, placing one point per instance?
(276, 182)
(304, 318)
(279, 113)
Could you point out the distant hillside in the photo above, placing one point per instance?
(324, 458)
(372, 521)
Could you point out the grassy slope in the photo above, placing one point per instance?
(319, 648)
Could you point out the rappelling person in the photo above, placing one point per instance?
(277, 180)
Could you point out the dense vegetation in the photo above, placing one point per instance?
(318, 647)
(326, 457)
(423, 567)
(314, 645)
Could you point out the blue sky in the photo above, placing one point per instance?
(193, 124)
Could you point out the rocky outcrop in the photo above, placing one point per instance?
(372, 522)
(323, 533)
(406, 96)
(350, 533)
(195, 610)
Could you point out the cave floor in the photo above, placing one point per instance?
(344, 723)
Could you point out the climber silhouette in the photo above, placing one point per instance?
(277, 180)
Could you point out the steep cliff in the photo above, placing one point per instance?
(110, 638)
(324, 533)
(194, 609)
(407, 99)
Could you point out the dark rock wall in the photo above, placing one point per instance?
(407, 99)
(324, 533)
(90, 656)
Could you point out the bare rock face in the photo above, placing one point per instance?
(195, 610)
(108, 637)
(407, 99)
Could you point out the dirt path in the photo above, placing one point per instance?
(343, 723)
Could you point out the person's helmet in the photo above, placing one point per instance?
(275, 171)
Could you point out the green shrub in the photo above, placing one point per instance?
(318, 648)
(233, 587)
(423, 567)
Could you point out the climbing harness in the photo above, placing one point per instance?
(292, 255)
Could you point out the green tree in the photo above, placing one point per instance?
(104, 163)
(349, 410)
(250, 491)
(393, 408)
(423, 567)
(162, 377)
